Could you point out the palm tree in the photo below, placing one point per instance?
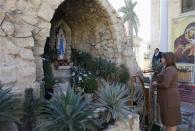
(131, 17)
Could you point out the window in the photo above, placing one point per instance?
(188, 5)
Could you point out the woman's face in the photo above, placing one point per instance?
(163, 61)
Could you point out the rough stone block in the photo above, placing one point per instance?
(26, 54)
(24, 43)
(131, 124)
(39, 69)
(46, 12)
(8, 27)
(8, 74)
(23, 31)
(54, 3)
(8, 47)
(26, 71)
(35, 3)
(38, 50)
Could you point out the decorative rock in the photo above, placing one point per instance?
(54, 3)
(38, 50)
(132, 124)
(46, 12)
(8, 47)
(25, 71)
(1, 32)
(8, 74)
(30, 19)
(23, 42)
(36, 90)
(39, 69)
(40, 42)
(44, 32)
(35, 3)
(8, 27)
(2, 16)
(97, 46)
(23, 31)
(26, 54)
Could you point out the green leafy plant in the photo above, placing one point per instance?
(66, 112)
(8, 112)
(89, 85)
(157, 66)
(123, 74)
(114, 98)
(100, 67)
(84, 79)
(81, 58)
(48, 76)
(29, 119)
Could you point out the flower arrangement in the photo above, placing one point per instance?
(84, 79)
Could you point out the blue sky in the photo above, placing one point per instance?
(143, 11)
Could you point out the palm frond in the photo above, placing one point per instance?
(123, 10)
(130, 15)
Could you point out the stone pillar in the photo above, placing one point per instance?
(164, 25)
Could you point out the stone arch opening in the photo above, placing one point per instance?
(83, 25)
(90, 26)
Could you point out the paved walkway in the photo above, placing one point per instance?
(188, 117)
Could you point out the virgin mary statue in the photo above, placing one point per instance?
(60, 46)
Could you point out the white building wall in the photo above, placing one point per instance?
(155, 25)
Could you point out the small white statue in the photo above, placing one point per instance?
(60, 46)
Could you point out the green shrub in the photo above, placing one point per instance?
(29, 119)
(48, 75)
(80, 58)
(84, 79)
(66, 112)
(89, 85)
(123, 74)
(100, 67)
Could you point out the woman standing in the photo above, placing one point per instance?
(168, 95)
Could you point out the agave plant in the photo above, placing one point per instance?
(66, 112)
(8, 111)
(114, 98)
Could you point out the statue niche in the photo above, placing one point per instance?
(61, 59)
